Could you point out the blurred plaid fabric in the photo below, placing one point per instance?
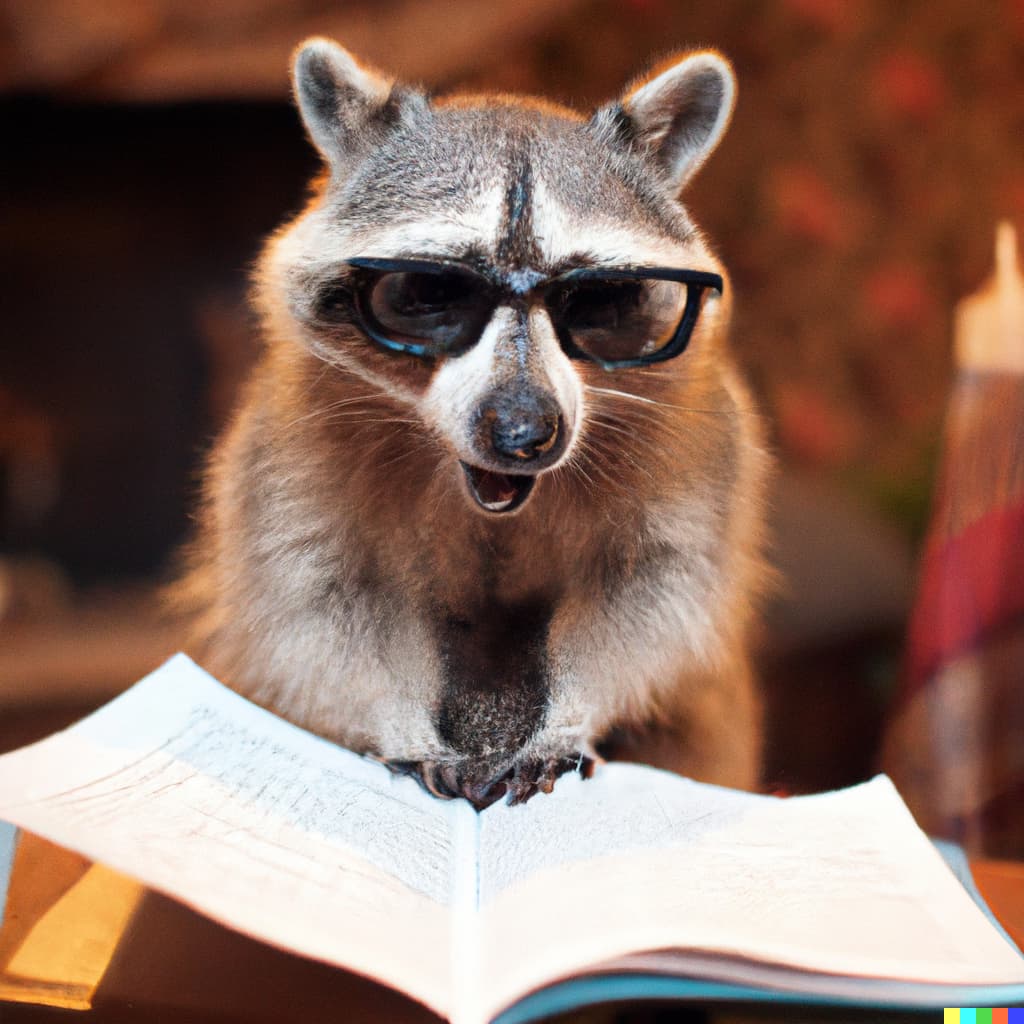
(955, 745)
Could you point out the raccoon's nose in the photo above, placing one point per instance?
(525, 439)
(523, 430)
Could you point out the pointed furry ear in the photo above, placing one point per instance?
(679, 114)
(337, 97)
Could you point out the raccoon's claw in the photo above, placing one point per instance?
(538, 775)
(436, 778)
(445, 780)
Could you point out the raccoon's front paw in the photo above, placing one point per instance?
(482, 786)
(538, 774)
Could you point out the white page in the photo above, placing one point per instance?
(290, 839)
(636, 859)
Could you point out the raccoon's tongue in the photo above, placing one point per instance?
(497, 492)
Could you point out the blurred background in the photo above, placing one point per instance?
(149, 145)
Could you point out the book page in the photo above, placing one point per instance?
(636, 859)
(194, 791)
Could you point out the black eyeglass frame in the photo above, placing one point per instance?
(696, 281)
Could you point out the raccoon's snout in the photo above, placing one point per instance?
(515, 437)
(524, 430)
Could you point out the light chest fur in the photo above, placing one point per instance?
(344, 574)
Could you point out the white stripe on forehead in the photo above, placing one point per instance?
(319, 239)
(475, 225)
(562, 233)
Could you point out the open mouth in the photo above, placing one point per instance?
(497, 492)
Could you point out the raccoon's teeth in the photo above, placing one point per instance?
(497, 492)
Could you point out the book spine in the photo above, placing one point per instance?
(466, 946)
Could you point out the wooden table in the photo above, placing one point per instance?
(78, 936)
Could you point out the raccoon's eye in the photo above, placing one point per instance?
(442, 312)
(333, 303)
(619, 319)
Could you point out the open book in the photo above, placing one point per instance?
(632, 877)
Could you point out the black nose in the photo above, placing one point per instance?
(524, 437)
(522, 429)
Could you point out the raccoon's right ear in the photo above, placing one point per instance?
(341, 101)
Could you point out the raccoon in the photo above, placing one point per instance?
(490, 506)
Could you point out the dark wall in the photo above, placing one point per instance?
(126, 237)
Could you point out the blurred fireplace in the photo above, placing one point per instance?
(127, 236)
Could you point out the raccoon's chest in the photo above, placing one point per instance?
(493, 656)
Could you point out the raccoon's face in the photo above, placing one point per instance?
(488, 260)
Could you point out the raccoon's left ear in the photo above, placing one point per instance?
(678, 114)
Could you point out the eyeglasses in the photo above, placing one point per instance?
(615, 317)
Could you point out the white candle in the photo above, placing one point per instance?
(989, 333)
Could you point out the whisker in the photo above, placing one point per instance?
(609, 425)
(620, 394)
(734, 410)
(640, 427)
(400, 457)
(598, 465)
(331, 406)
(574, 465)
(339, 417)
(607, 456)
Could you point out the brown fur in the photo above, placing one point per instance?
(335, 521)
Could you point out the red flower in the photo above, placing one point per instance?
(908, 85)
(835, 17)
(898, 297)
(806, 206)
(811, 430)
